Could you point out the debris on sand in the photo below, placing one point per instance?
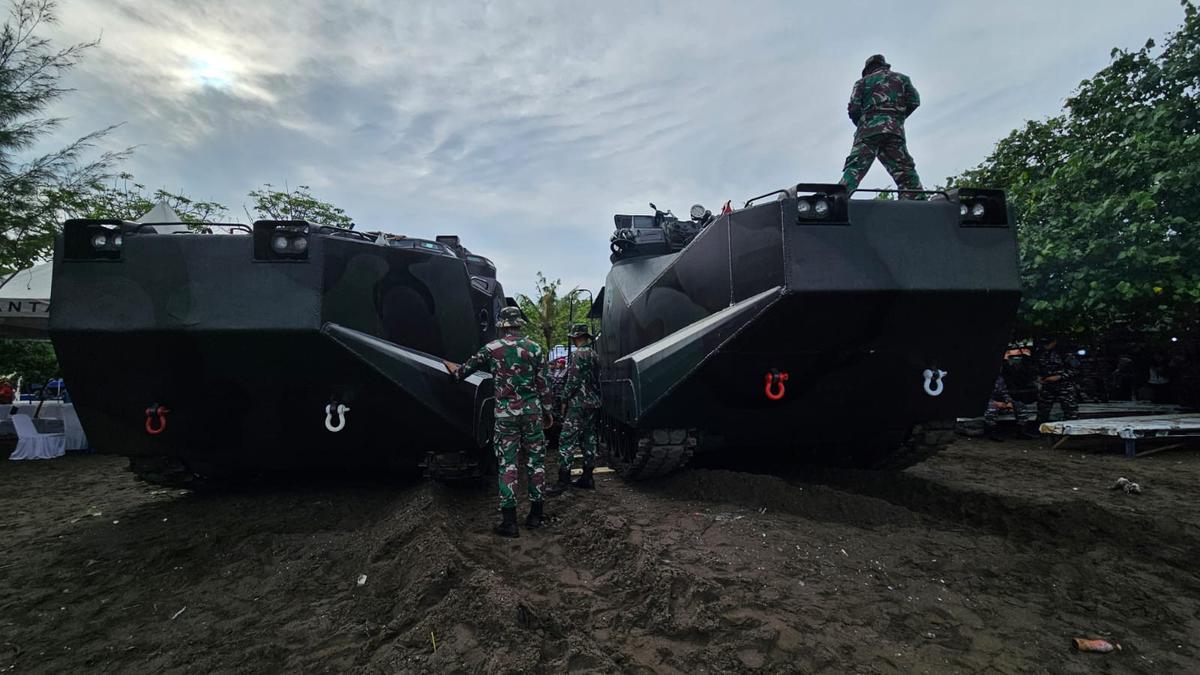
(362, 580)
(1095, 645)
(1127, 485)
(176, 614)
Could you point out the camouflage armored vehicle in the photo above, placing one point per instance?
(806, 327)
(289, 345)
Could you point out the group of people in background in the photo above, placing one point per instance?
(1054, 374)
(525, 408)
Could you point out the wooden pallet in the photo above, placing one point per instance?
(1129, 429)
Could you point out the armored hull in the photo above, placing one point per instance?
(209, 354)
(806, 340)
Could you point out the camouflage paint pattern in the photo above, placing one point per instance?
(514, 433)
(582, 375)
(518, 376)
(579, 431)
(522, 397)
(1053, 362)
(1000, 395)
(880, 102)
(892, 152)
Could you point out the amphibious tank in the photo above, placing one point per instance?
(283, 345)
(806, 327)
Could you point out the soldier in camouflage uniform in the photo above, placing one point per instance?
(582, 400)
(1001, 400)
(1056, 372)
(522, 409)
(879, 104)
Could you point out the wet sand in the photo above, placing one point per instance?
(988, 558)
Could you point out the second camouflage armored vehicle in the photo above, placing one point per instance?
(807, 328)
(290, 345)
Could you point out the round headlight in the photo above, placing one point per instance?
(962, 210)
(821, 208)
(118, 241)
(300, 244)
(804, 207)
(697, 211)
(977, 210)
(99, 240)
(279, 243)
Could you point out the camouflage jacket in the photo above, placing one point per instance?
(581, 390)
(880, 103)
(519, 382)
(1055, 362)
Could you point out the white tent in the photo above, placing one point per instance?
(161, 213)
(25, 303)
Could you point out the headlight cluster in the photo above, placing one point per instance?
(289, 242)
(814, 208)
(107, 240)
(976, 210)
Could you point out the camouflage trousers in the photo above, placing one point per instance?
(1018, 408)
(892, 151)
(1062, 393)
(512, 435)
(579, 431)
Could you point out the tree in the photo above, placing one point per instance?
(32, 360)
(298, 204)
(551, 314)
(33, 193)
(126, 199)
(1106, 194)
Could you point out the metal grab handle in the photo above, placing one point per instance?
(933, 381)
(340, 411)
(161, 413)
(774, 387)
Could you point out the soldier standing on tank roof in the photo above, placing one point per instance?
(582, 399)
(521, 413)
(879, 104)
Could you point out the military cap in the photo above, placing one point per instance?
(510, 317)
(874, 63)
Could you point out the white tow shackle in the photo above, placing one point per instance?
(340, 411)
(933, 381)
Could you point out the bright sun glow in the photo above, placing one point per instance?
(212, 70)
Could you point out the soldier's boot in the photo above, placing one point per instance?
(585, 481)
(508, 524)
(564, 482)
(534, 519)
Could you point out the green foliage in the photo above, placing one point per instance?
(297, 204)
(34, 192)
(126, 199)
(552, 314)
(1106, 194)
(31, 359)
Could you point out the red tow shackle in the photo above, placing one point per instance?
(774, 388)
(161, 413)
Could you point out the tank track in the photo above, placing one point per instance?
(658, 452)
(924, 441)
(167, 472)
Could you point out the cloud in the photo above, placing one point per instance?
(523, 126)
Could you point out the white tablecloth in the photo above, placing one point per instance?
(76, 439)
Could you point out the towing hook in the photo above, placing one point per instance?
(156, 413)
(336, 410)
(774, 387)
(933, 381)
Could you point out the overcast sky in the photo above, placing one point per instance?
(523, 126)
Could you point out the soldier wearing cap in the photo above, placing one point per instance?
(582, 397)
(522, 400)
(879, 104)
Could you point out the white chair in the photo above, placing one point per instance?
(32, 444)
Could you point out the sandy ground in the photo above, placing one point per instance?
(988, 558)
